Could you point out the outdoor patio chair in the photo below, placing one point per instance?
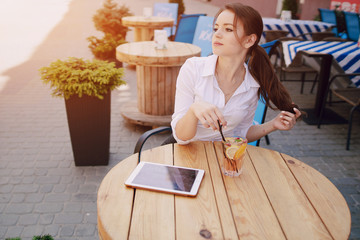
(271, 35)
(185, 29)
(329, 16)
(167, 10)
(352, 25)
(203, 35)
(296, 67)
(350, 95)
(319, 36)
(259, 118)
(146, 135)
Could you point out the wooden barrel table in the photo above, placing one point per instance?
(156, 72)
(144, 26)
(276, 197)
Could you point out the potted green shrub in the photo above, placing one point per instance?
(108, 20)
(40, 237)
(86, 87)
(105, 48)
(291, 5)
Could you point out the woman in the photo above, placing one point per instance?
(226, 86)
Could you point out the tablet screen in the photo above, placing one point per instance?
(166, 177)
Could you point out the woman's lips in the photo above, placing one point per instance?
(217, 44)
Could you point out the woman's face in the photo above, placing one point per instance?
(224, 41)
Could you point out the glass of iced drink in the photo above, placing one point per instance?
(234, 153)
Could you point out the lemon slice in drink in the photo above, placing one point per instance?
(240, 151)
(230, 151)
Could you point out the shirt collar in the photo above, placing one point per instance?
(249, 79)
(211, 64)
(210, 71)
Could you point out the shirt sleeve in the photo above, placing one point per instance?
(184, 95)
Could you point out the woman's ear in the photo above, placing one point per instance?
(250, 40)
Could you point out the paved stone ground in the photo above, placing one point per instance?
(42, 192)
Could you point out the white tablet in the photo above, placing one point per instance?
(166, 178)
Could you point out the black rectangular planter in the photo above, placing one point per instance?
(89, 126)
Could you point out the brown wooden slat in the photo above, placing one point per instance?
(154, 79)
(153, 214)
(161, 83)
(252, 212)
(324, 196)
(140, 88)
(196, 216)
(111, 198)
(146, 34)
(295, 213)
(138, 34)
(175, 73)
(147, 89)
(169, 104)
(224, 209)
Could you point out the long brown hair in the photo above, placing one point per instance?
(259, 65)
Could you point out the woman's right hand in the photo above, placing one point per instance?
(208, 114)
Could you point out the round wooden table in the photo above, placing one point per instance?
(276, 197)
(156, 73)
(144, 26)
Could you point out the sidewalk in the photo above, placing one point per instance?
(41, 191)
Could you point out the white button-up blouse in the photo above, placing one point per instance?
(197, 82)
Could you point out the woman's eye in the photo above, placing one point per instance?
(215, 29)
(229, 30)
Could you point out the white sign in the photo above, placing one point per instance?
(160, 39)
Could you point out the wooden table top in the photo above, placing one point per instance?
(145, 53)
(147, 22)
(276, 197)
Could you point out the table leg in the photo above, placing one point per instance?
(156, 97)
(143, 34)
(324, 75)
(156, 89)
(313, 115)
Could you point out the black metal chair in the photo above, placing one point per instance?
(350, 95)
(295, 67)
(271, 35)
(145, 136)
(318, 36)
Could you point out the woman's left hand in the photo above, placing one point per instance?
(286, 120)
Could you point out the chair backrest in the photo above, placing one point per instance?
(329, 16)
(271, 35)
(185, 29)
(269, 46)
(203, 35)
(259, 117)
(260, 112)
(167, 10)
(352, 25)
